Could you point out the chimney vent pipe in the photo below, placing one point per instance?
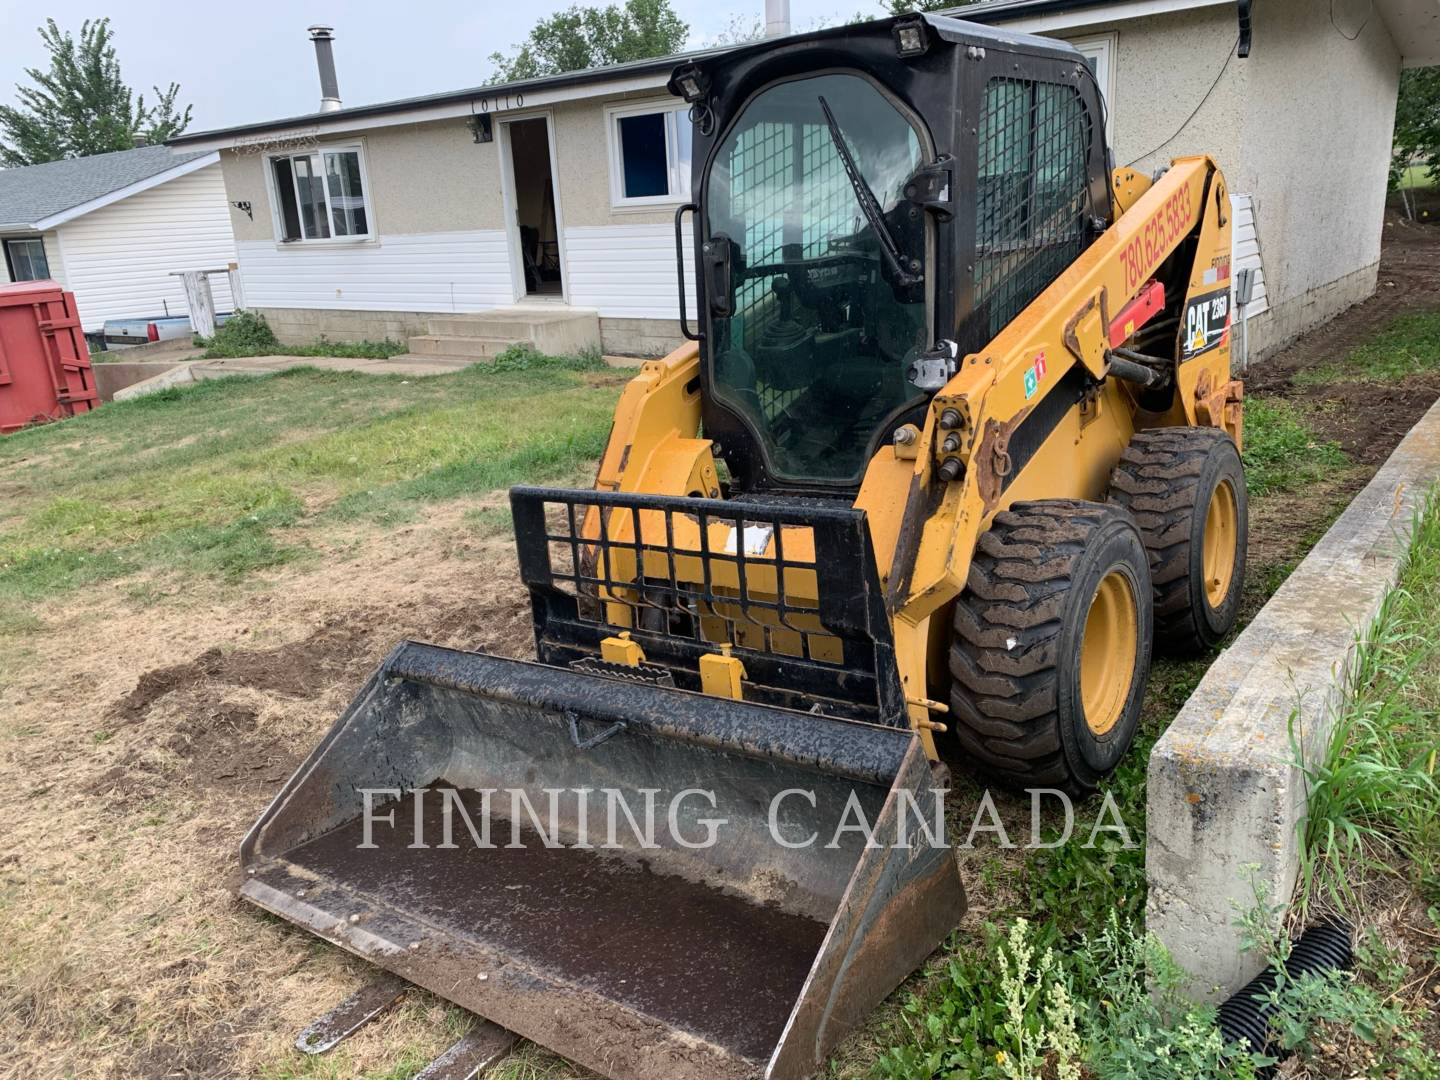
(777, 18)
(323, 36)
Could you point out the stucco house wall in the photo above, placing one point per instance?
(1315, 149)
(1303, 126)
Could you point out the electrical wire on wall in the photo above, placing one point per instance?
(1194, 112)
(1363, 24)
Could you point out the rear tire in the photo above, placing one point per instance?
(1051, 645)
(1186, 489)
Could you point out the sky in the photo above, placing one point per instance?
(239, 62)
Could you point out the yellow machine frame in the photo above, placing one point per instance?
(925, 528)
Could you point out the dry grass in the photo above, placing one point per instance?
(126, 953)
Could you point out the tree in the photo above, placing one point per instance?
(1417, 123)
(81, 106)
(904, 7)
(585, 37)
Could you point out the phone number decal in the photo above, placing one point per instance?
(1155, 239)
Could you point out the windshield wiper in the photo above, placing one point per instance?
(869, 205)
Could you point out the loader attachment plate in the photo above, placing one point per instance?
(638, 951)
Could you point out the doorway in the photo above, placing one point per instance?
(535, 233)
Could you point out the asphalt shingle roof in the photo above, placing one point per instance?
(36, 192)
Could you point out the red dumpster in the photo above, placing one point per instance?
(44, 364)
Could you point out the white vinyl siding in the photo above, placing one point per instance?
(119, 260)
(1245, 251)
(436, 272)
(628, 271)
(56, 258)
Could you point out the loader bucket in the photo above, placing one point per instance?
(637, 952)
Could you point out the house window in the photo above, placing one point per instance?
(320, 196)
(649, 155)
(1099, 53)
(27, 260)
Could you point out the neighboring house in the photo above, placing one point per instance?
(379, 220)
(112, 228)
(1301, 127)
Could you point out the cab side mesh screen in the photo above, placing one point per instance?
(1032, 194)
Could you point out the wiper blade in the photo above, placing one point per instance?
(869, 205)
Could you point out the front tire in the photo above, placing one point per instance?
(1186, 488)
(1051, 645)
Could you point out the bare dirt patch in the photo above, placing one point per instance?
(139, 746)
(1408, 281)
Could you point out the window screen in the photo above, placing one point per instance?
(1032, 194)
(347, 195)
(27, 260)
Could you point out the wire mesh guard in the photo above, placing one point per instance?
(1032, 198)
(792, 590)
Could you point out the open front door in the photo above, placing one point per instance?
(532, 209)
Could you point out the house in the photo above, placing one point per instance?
(1301, 125)
(114, 229)
(556, 197)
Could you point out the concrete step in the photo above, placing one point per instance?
(464, 348)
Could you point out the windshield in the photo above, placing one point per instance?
(821, 328)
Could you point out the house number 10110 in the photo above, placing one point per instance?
(499, 102)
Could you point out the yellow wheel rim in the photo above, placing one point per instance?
(1221, 540)
(1107, 653)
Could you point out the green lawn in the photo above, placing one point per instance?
(231, 476)
(1417, 176)
(1408, 346)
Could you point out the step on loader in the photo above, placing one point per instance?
(952, 446)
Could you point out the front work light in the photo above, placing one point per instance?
(692, 84)
(910, 37)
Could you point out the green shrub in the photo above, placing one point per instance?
(247, 334)
(243, 334)
(522, 356)
(1109, 1006)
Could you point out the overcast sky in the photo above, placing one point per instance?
(252, 60)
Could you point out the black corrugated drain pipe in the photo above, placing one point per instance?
(1323, 947)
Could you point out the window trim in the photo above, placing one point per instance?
(371, 234)
(1104, 48)
(10, 260)
(678, 175)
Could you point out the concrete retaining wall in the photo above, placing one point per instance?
(1225, 793)
(111, 378)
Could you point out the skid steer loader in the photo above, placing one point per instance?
(953, 442)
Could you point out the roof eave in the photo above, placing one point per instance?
(337, 120)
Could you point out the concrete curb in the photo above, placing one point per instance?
(1224, 793)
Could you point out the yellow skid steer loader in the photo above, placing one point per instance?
(953, 444)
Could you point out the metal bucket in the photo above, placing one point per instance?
(639, 953)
